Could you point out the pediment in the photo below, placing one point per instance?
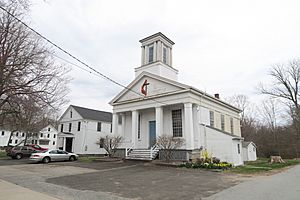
(156, 86)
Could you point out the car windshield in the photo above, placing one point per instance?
(44, 151)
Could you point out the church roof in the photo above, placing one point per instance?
(181, 85)
(156, 35)
(97, 115)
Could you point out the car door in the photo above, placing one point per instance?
(63, 155)
(25, 151)
(54, 156)
(30, 150)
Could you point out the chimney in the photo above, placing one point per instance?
(217, 96)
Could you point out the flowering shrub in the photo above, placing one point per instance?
(221, 165)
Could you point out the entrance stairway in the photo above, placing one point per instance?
(142, 154)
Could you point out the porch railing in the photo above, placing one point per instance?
(128, 150)
(154, 150)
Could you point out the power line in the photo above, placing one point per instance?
(75, 58)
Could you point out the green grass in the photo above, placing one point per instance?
(2, 154)
(88, 159)
(263, 165)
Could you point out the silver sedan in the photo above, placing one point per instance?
(53, 155)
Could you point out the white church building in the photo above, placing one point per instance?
(157, 104)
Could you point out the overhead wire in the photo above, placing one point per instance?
(77, 59)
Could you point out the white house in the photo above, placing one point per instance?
(156, 104)
(80, 128)
(249, 151)
(47, 137)
(16, 138)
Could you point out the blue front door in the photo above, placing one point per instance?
(152, 133)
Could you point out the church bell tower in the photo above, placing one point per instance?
(157, 56)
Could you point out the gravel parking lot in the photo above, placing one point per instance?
(116, 180)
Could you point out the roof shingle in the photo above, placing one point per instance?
(97, 115)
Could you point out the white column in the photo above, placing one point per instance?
(188, 125)
(143, 56)
(134, 121)
(64, 143)
(159, 121)
(115, 124)
(123, 124)
(146, 52)
(159, 50)
(170, 56)
(154, 51)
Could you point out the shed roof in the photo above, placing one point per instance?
(246, 144)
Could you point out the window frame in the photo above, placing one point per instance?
(231, 125)
(165, 55)
(99, 127)
(152, 56)
(70, 127)
(222, 122)
(177, 123)
(212, 118)
(139, 127)
(239, 148)
(78, 126)
(101, 143)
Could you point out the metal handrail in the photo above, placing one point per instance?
(127, 150)
(154, 147)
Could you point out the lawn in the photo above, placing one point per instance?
(263, 165)
(2, 154)
(88, 159)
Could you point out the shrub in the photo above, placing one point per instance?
(221, 165)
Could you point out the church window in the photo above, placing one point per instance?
(177, 123)
(211, 118)
(139, 126)
(222, 122)
(151, 51)
(119, 119)
(231, 125)
(165, 55)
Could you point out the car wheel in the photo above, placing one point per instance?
(19, 156)
(72, 158)
(46, 160)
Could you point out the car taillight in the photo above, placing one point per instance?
(36, 156)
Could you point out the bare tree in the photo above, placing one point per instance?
(168, 144)
(110, 144)
(285, 86)
(28, 72)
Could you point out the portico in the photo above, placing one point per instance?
(141, 127)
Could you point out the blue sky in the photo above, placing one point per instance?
(224, 47)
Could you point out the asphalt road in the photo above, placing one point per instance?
(117, 180)
(9, 161)
(285, 185)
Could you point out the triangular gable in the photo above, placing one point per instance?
(65, 115)
(157, 86)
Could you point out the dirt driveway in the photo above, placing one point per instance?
(118, 180)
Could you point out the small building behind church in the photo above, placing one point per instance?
(157, 104)
(249, 151)
(80, 128)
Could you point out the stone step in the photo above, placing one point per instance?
(138, 158)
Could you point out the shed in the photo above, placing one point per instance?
(249, 151)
